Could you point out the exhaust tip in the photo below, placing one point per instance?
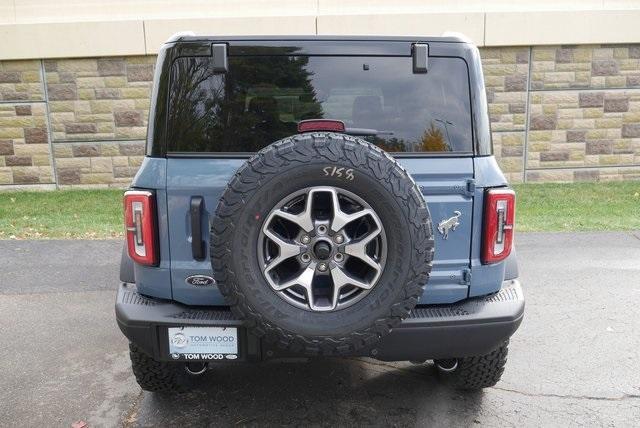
(448, 365)
(196, 369)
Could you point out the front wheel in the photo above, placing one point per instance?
(472, 373)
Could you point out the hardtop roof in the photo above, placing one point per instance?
(445, 38)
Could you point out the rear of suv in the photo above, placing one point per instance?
(318, 196)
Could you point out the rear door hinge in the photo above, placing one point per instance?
(471, 186)
(466, 276)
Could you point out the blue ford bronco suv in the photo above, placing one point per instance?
(318, 196)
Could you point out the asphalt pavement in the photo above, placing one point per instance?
(573, 362)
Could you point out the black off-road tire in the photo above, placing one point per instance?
(295, 163)
(153, 375)
(473, 373)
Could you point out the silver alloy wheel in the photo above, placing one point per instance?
(322, 248)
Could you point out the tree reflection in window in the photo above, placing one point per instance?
(254, 104)
(433, 140)
(262, 98)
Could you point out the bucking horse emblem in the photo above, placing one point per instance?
(449, 224)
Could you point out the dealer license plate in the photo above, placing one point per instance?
(203, 343)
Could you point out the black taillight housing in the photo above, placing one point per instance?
(140, 226)
(499, 222)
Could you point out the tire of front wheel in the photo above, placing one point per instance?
(478, 372)
(153, 375)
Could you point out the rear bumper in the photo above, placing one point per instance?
(475, 326)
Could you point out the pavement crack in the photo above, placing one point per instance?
(409, 371)
(570, 396)
(131, 416)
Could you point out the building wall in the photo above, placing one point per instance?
(558, 113)
(72, 28)
(565, 113)
(73, 122)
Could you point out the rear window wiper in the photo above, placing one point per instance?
(366, 132)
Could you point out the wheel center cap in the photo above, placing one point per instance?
(322, 250)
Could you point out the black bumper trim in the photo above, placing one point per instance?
(475, 326)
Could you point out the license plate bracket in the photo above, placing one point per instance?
(191, 343)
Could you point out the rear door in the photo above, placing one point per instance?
(448, 186)
(216, 120)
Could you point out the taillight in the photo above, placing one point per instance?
(140, 226)
(499, 217)
(321, 125)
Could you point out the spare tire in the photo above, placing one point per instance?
(321, 243)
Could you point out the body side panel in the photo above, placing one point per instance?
(485, 279)
(155, 280)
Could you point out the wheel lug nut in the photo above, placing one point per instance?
(305, 239)
(338, 257)
(322, 229)
(339, 239)
(322, 267)
(306, 258)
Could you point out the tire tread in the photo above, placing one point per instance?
(153, 375)
(482, 371)
(302, 149)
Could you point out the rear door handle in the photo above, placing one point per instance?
(195, 212)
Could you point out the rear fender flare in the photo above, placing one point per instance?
(126, 266)
(511, 266)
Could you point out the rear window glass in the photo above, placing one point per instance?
(261, 99)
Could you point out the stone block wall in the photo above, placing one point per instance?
(25, 153)
(558, 113)
(109, 162)
(25, 156)
(73, 122)
(582, 111)
(506, 73)
(21, 81)
(99, 99)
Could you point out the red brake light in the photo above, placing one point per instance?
(321, 125)
(499, 220)
(140, 226)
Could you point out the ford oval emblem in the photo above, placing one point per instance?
(200, 280)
